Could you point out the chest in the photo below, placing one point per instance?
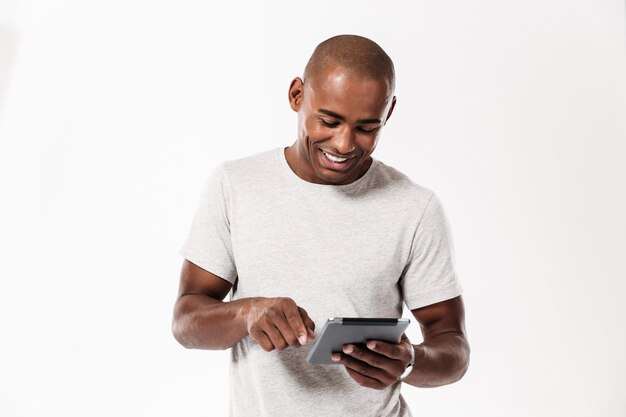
(323, 249)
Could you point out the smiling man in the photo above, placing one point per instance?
(347, 98)
(319, 229)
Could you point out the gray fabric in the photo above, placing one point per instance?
(356, 250)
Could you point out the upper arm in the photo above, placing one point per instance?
(443, 317)
(195, 280)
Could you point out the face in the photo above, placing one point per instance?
(340, 117)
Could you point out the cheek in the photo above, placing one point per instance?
(314, 129)
(366, 142)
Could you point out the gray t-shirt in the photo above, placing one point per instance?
(355, 250)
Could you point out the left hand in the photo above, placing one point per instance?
(376, 364)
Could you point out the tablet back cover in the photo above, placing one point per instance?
(335, 334)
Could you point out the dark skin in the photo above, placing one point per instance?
(342, 113)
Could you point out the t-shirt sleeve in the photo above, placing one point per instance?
(430, 275)
(208, 244)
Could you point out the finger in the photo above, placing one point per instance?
(392, 350)
(295, 322)
(360, 352)
(365, 381)
(261, 338)
(365, 370)
(275, 337)
(283, 326)
(310, 324)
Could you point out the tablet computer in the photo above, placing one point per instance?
(341, 330)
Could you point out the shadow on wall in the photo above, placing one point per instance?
(9, 40)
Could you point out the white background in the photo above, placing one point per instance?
(113, 113)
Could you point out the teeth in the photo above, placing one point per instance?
(333, 158)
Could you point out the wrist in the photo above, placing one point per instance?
(410, 365)
(245, 308)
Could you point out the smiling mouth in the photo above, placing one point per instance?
(333, 158)
(335, 163)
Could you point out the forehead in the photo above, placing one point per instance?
(348, 93)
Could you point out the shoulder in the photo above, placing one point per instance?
(400, 186)
(257, 160)
(248, 168)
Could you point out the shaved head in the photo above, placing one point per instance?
(343, 101)
(353, 53)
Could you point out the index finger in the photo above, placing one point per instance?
(295, 322)
(309, 324)
(391, 350)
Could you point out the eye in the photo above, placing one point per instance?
(366, 130)
(329, 124)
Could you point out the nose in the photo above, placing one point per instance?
(344, 140)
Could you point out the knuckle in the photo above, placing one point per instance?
(253, 328)
(287, 301)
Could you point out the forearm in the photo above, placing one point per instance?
(440, 360)
(202, 322)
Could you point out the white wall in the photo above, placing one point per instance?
(113, 113)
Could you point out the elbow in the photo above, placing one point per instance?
(180, 326)
(463, 362)
(192, 328)
(462, 371)
(182, 330)
(179, 333)
(457, 362)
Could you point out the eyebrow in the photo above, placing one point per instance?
(343, 119)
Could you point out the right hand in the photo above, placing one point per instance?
(276, 323)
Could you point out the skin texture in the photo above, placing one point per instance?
(341, 109)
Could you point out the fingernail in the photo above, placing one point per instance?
(371, 345)
(302, 339)
(347, 349)
(335, 357)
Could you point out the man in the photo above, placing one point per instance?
(321, 229)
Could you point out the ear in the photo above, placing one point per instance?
(393, 104)
(296, 94)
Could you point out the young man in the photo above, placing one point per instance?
(321, 229)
